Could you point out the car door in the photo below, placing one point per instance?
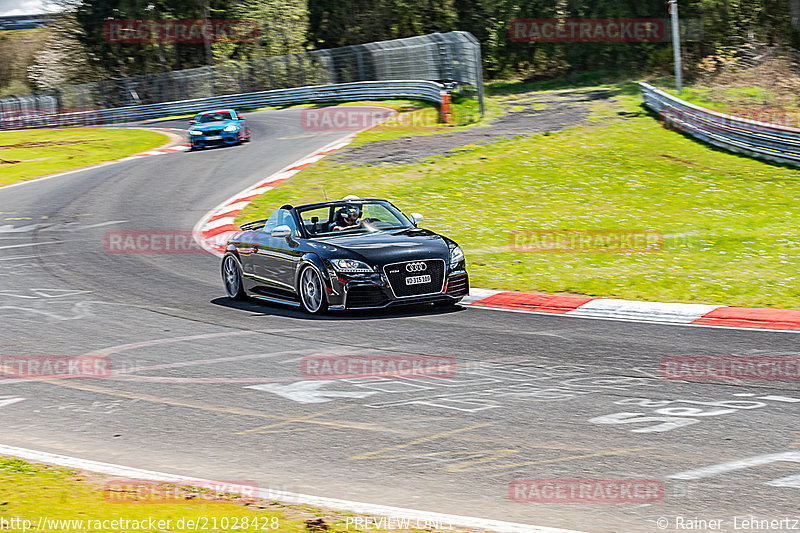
(250, 254)
(275, 259)
(244, 245)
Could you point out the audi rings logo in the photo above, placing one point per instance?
(416, 267)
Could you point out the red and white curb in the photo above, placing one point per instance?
(158, 151)
(421, 517)
(615, 309)
(213, 230)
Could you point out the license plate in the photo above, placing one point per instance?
(214, 138)
(416, 280)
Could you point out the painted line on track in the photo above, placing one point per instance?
(279, 495)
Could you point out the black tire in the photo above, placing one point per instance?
(232, 278)
(311, 290)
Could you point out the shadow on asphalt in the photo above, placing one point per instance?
(267, 309)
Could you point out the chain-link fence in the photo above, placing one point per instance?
(452, 59)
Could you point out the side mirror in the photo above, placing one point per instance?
(281, 232)
(416, 218)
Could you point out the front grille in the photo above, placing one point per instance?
(458, 286)
(212, 132)
(398, 272)
(366, 297)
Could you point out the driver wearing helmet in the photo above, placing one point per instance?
(347, 217)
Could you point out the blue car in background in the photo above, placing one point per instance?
(218, 127)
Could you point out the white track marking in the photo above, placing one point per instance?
(279, 495)
(478, 294)
(9, 400)
(750, 462)
(309, 391)
(616, 319)
(643, 311)
(30, 244)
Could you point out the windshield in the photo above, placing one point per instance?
(214, 117)
(352, 217)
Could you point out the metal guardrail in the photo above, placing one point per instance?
(43, 111)
(750, 137)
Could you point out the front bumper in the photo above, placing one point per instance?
(372, 291)
(225, 138)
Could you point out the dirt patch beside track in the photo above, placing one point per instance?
(526, 114)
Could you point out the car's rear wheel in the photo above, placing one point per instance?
(232, 277)
(312, 291)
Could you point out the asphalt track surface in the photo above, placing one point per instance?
(186, 360)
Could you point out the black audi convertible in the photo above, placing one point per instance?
(353, 253)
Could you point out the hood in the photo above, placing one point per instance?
(384, 247)
(218, 125)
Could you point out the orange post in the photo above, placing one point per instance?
(445, 107)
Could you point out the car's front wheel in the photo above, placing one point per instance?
(232, 277)
(312, 291)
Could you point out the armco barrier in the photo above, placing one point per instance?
(33, 114)
(750, 137)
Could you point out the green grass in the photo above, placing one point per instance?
(740, 100)
(720, 100)
(731, 222)
(26, 155)
(19, 31)
(29, 491)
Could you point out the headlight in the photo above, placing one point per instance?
(231, 128)
(456, 255)
(350, 266)
(195, 132)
